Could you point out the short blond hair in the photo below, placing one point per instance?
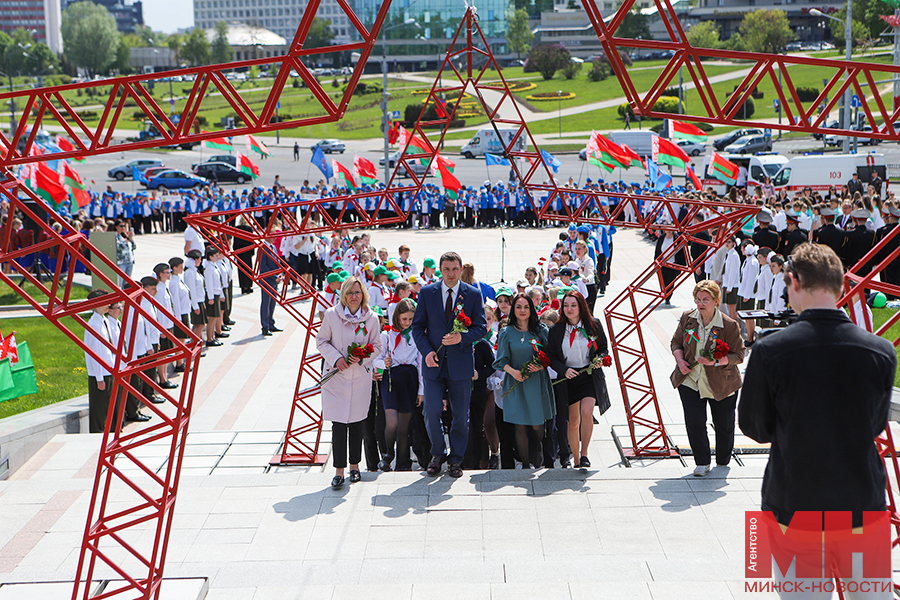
(710, 287)
(345, 287)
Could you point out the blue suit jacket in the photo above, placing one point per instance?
(267, 264)
(429, 326)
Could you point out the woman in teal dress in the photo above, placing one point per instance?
(530, 403)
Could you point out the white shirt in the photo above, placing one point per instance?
(181, 295)
(401, 353)
(378, 296)
(454, 291)
(775, 303)
(586, 267)
(212, 279)
(575, 350)
(307, 244)
(731, 276)
(764, 282)
(780, 221)
(165, 298)
(195, 285)
(141, 343)
(151, 332)
(192, 236)
(100, 330)
(749, 275)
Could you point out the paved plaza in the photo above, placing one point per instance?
(648, 531)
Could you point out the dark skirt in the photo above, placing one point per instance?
(199, 318)
(399, 391)
(178, 331)
(579, 388)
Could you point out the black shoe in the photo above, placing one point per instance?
(338, 482)
(168, 385)
(565, 463)
(214, 343)
(455, 470)
(434, 467)
(266, 333)
(355, 476)
(494, 462)
(228, 322)
(275, 329)
(157, 399)
(385, 463)
(226, 328)
(138, 418)
(222, 335)
(537, 461)
(179, 369)
(584, 463)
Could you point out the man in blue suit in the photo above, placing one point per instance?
(449, 359)
(268, 264)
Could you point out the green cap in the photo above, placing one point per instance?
(337, 265)
(380, 270)
(377, 310)
(344, 274)
(429, 262)
(505, 291)
(332, 277)
(392, 275)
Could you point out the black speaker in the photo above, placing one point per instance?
(38, 212)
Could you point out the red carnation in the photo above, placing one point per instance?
(461, 316)
(721, 350)
(386, 328)
(606, 360)
(369, 349)
(359, 352)
(545, 360)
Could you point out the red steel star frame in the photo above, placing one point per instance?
(48, 105)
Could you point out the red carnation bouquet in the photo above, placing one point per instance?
(461, 324)
(539, 360)
(360, 351)
(718, 350)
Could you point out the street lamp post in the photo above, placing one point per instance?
(385, 95)
(848, 46)
(559, 110)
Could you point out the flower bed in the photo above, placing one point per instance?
(522, 86)
(550, 96)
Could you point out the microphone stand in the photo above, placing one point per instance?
(502, 254)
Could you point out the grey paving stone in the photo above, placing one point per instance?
(682, 590)
(591, 590)
(517, 591)
(458, 591)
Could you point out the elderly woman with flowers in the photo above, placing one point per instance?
(708, 348)
(349, 339)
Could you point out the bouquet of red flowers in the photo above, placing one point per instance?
(461, 324)
(718, 350)
(360, 351)
(539, 360)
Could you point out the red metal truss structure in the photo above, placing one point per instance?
(114, 545)
(49, 106)
(723, 106)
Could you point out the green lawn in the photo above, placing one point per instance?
(880, 316)
(10, 297)
(58, 362)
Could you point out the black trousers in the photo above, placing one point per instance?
(374, 443)
(591, 296)
(244, 280)
(339, 442)
(477, 403)
(507, 434)
(98, 402)
(695, 422)
(668, 276)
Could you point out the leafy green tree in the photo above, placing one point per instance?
(704, 35)
(635, 25)
(175, 43)
(122, 63)
(547, 60)
(320, 34)
(90, 36)
(221, 49)
(518, 35)
(196, 47)
(766, 31)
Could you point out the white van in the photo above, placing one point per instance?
(486, 140)
(820, 171)
(639, 141)
(759, 166)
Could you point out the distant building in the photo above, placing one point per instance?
(151, 59)
(248, 42)
(128, 13)
(42, 16)
(278, 16)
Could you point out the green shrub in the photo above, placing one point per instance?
(807, 94)
(600, 70)
(570, 70)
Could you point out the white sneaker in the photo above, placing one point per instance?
(701, 470)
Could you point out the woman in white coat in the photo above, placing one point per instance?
(346, 395)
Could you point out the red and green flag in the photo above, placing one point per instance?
(67, 146)
(669, 153)
(694, 179)
(610, 152)
(345, 174)
(722, 169)
(219, 144)
(45, 182)
(686, 131)
(366, 170)
(592, 159)
(416, 144)
(448, 180)
(255, 145)
(247, 166)
(636, 160)
(77, 189)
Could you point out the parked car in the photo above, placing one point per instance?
(833, 140)
(329, 146)
(730, 138)
(124, 171)
(692, 148)
(828, 125)
(417, 167)
(218, 158)
(154, 171)
(174, 179)
(224, 173)
(750, 144)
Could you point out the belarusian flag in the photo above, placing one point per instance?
(669, 153)
(9, 349)
(219, 144)
(636, 160)
(345, 174)
(66, 146)
(448, 180)
(416, 144)
(446, 162)
(245, 165)
(686, 131)
(610, 152)
(366, 170)
(592, 159)
(44, 181)
(694, 179)
(722, 169)
(77, 189)
(255, 145)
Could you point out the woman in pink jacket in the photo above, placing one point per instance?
(346, 395)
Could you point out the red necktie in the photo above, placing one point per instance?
(448, 307)
(572, 337)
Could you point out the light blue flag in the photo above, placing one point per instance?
(551, 160)
(659, 179)
(138, 175)
(318, 159)
(493, 159)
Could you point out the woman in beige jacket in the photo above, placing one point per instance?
(346, 395)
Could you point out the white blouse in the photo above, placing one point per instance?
(402, 352)
(575, 349)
